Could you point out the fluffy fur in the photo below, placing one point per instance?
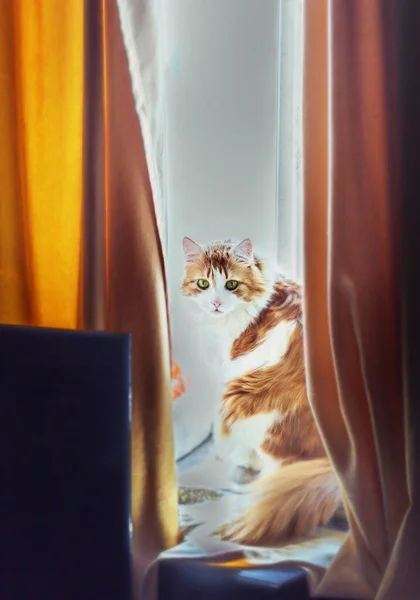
(265, 424)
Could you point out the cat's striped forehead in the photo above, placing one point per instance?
(219, 257)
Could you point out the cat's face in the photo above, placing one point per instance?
(222, 277)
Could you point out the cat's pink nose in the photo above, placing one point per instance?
(216, 303)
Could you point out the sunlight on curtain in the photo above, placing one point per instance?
(41, 100)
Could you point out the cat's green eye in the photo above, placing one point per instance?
(203, 284)
(231, 285)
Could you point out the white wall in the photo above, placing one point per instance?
(221, 119)
(221, 94)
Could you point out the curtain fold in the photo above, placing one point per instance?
(79, 241)
(355, 88)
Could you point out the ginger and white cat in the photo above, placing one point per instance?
(263, 421)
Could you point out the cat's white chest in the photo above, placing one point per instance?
(247, 435)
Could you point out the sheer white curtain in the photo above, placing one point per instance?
(142, 27)
(218, 90)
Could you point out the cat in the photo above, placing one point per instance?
(263, 421)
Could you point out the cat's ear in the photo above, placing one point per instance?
(244, 251)
(192, 251)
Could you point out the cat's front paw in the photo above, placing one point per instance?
(246, 458)
(243, 475)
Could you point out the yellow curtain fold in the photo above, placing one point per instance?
(41, 99)
(79, 244)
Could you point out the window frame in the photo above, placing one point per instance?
(289, 184)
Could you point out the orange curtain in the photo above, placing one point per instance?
(79, 244)
(361, 133)
(41, 99)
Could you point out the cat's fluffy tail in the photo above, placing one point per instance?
(290, 502)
